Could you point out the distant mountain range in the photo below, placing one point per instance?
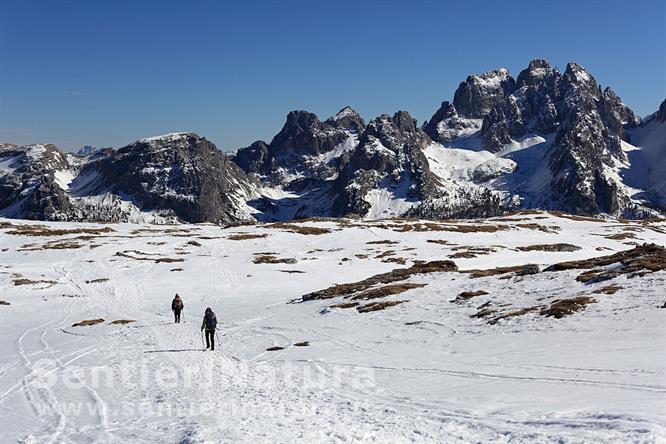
(545, 139)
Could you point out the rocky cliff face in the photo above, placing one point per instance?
(178, 176)
(389, 159)
(29, 182)
(181, 174)
(301, 147)
(586, 124)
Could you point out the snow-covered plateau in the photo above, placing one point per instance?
(531, 327)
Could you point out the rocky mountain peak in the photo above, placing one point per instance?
(392, 131)
(299, 120)
(87, 150)
(539, 70)
(254, 158)
(478, 94)
(168, 138)
(661, 114)
(578, 76)
(347, 119)
(404, 121)
(299, 134)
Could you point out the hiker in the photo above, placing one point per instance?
(177, 306)
(209, 324)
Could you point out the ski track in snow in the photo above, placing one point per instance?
(423, 371)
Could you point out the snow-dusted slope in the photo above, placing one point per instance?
(564, 132)
(647, 156)
(178, 176)
(434, 368)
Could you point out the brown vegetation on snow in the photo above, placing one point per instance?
(270, 259)
(564, 307)
(300, 229)
(88, 322)
(246, 236)
(399, 274)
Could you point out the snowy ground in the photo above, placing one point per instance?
(420, 371)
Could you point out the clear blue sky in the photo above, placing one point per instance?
(109, 72)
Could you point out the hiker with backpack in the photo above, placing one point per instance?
(209, 324)
(177, 306)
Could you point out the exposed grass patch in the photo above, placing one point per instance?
(564, 307)
(24, 281)
(97, 281)
(454, 228)
(518, 270)
(463, 255)
(376, 306)
(484, 313)
(193, 243)
(345, 305)
(621, 236)
(551, 247)
(269, 259)
(512, 314)
(42, 230)
(395, 260)
(608, 289)
(382, 242)
(53, 245)
(399, 274)
(157, 260)
(302, 344)
(122, 322)
(539, 227)
(467, 295)
(387, 290)
(275, 348)
(88, 322)
(5, 303)
(574, 217)
(639, 260)
(291, 271)
(300, 229)
(246, 236)
(176, 269)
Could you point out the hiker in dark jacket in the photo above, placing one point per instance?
(177, 306)
(209, 324)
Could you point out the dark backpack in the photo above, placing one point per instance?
(177, 304)
(210, 321)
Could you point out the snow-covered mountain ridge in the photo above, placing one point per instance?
(545, 139)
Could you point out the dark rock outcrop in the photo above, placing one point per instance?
(182, 173)
(478, 94)
(28, 186)
(296, 148)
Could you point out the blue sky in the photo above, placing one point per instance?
(109, 72)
